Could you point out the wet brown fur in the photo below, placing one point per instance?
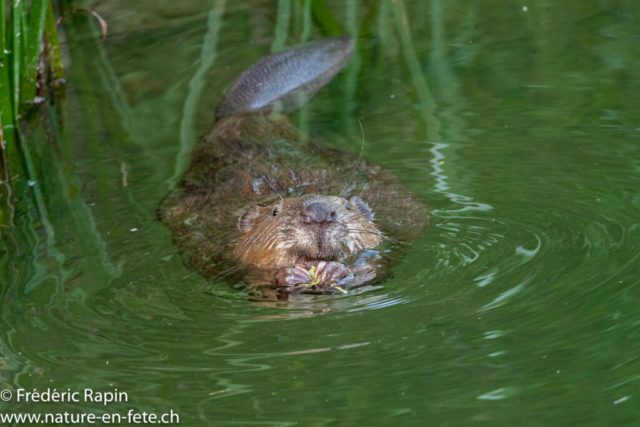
(274, 236)
(254, 162)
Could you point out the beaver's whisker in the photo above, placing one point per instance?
(352, 230)
(399, 220)
(361, 214)
(382, 236)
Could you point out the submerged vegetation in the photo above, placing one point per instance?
(40, 200)
(30, 72)
(29, 59)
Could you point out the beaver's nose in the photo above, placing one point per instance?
(317, 212)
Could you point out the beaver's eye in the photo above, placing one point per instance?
(275, 212)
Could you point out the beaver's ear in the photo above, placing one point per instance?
(247, 219)
(362, 207)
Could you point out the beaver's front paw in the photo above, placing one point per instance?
(292, 276)
(313, 277)
(328, 273)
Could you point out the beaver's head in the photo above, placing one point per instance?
(311, 226)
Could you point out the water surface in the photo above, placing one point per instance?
(516, 123)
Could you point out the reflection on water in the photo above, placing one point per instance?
(518, 305)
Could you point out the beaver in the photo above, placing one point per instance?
(263, 204)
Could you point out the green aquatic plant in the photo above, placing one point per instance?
(29, 51)
(36, 159)
(323, 18)
(196, 86)
(315, 281)
(28, 39)
(29, 55)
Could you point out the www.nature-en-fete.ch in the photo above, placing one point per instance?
(86, 396)
(130, 417)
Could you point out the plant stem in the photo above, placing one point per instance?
(196, 86)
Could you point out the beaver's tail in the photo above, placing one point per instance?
(286, 80)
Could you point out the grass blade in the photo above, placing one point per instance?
(417, 75)
(33, 46)
(323, 18)
(353, 68)
(303, 122)
(51, 33)
(282, 25)
(3, 32)
(14, 58)
(6, 112)
(306, 21)
(196, 85)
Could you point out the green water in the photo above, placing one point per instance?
(519, 305)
